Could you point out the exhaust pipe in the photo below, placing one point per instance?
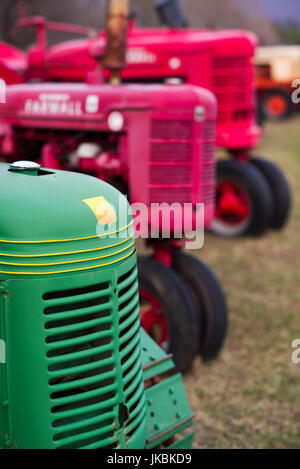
(171, 14)
(117, 20)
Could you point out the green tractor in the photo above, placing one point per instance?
(76, 370)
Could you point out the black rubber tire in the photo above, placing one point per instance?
(285, 96)
(211, 302)
(253, 183)
(281, 193)
(179, 307)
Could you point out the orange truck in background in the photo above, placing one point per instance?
(278, 74)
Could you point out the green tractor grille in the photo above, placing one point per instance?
(84, 364)
(72, 371)
(130, 350)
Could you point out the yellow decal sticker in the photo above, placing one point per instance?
(104, 211)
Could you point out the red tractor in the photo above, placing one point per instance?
(156, 143)
(13, 64)
(252, 193)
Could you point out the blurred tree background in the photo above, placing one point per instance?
(240, 14)
(289, 32)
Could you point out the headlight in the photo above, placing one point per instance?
(115, 121)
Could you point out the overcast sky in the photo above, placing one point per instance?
(277, 10)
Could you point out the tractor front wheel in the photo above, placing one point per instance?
(280, 189)
(276, 105)
(244, 203)
(210, 300)
(168, 312)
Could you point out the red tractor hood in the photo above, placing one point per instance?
(13, 63)
(148, 48)
(90, 104)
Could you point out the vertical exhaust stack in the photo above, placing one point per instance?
(117, 21)
(171, 14)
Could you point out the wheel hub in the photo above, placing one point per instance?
(153, 319)
(276, 106)
(232, 203)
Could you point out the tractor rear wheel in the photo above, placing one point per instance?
(244, 203)
(168, 312)
(280, 191)
(276, 105)
(210, 300)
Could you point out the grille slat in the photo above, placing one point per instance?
(81, 439)
(128, 296)
(124, 282)
(134, 415)
(66, 423)
(133, 383)
(133, 317)
(133, 330)
(170, 195)
(66, 386)
(105, 310)
(83, 340)
(165, 152)
(233, 84)
(130, 353)
(82, 372)
(56, 315)
(136, 386)
(133, 372)
(77, 425)
(134, 424)
(84, 366)
(84, 324)
(172, 142)
(162, 129)
(107, 444)
(130, 362)
(129, 306)
(84, 396)
(209, 167)
(174, 175)
(60, 359)
(81, 368)
(50, 299)
(64, 414)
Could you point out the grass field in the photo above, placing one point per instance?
(250, 396)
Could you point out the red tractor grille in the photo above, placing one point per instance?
(233, 84)
(171, 161)
(86, 367)
(171, 130)
(161, 151)
(209, 167)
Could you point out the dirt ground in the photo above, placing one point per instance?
(250, 396)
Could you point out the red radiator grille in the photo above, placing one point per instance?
(178, 174)
(163, 129)
(233, 84)
(208, 172)
(170, 168)
(162, 151)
